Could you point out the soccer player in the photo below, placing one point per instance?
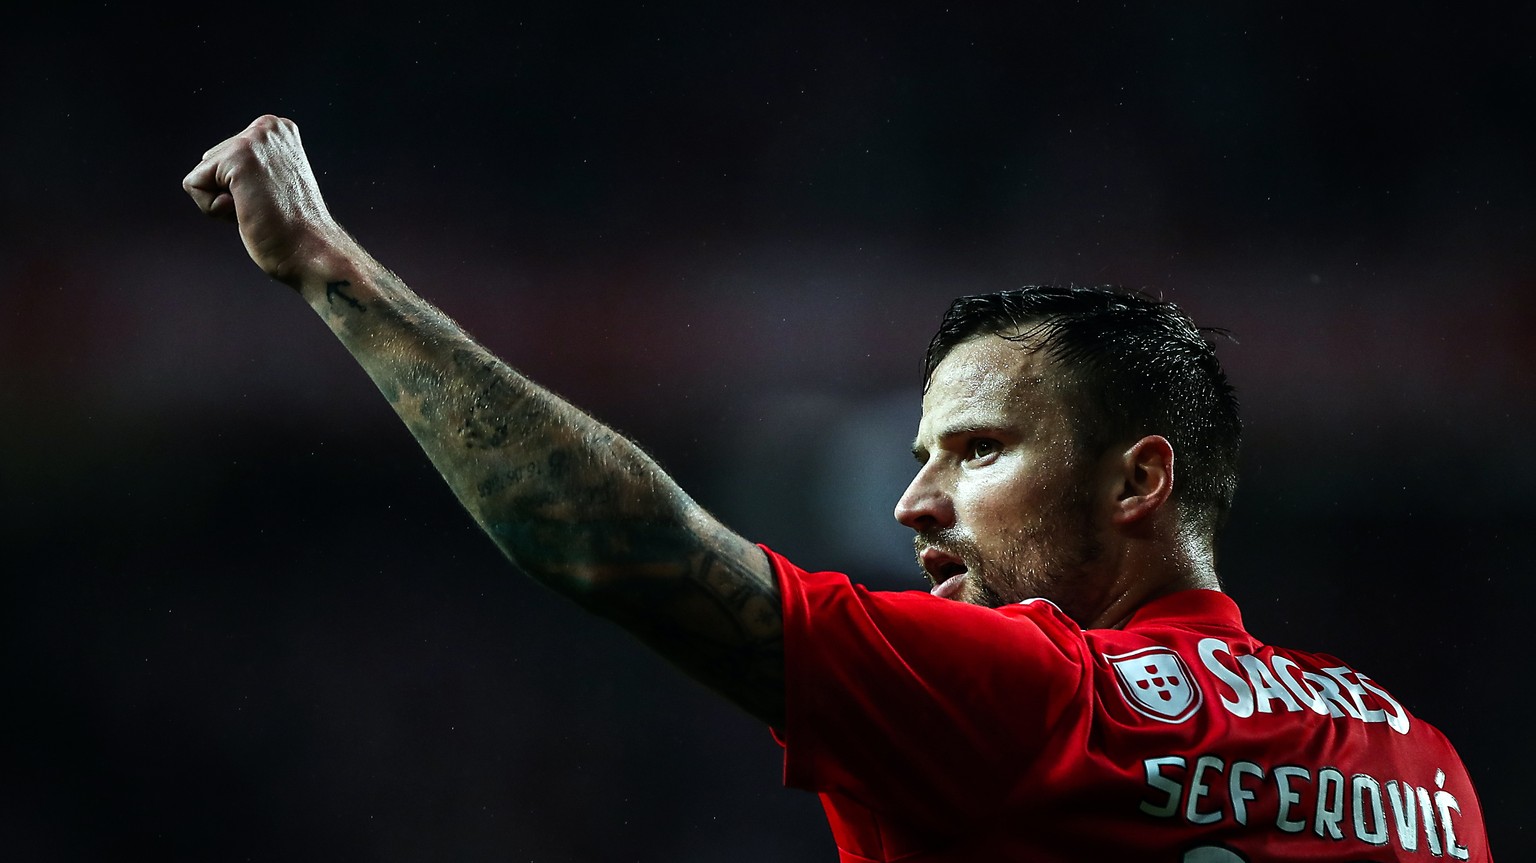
(1075, 687)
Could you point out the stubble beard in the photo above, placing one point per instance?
(1047, 558)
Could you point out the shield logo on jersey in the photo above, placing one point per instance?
(1156, 682)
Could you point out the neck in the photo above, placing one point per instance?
(1145, 571)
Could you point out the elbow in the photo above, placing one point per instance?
(597, 564)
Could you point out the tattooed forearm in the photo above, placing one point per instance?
(333, 290)
(568, 500)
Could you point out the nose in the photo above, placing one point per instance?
(925, 505)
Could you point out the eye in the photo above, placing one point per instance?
(982, 448)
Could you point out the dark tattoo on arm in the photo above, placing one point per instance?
(334, 290)
(717, 616)
(574, 504)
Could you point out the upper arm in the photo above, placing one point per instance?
(713, 610)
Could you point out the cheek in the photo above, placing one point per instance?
(995, 500)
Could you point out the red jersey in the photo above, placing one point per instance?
(939, 731)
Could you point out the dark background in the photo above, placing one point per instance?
(243, 619)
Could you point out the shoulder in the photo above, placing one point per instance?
(820, 604)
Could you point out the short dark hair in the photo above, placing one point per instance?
(1138, 366)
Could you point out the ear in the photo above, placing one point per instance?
(1147, 479)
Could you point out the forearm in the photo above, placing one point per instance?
(568, 500)
(572, 503)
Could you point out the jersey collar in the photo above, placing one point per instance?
(1200, 608)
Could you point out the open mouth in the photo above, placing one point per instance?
(942, 567)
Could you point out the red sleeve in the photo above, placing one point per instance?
(913, 703)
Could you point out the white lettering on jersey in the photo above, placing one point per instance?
(1328, 688)
(1265, 684)
(1397, 720)
(1289, 797)
(1330, 803)
(1284, 669)
(1430, 827)
(1364, 784)
(1266, 688)
(1156, 779)
(1237, 793)
(1335, 808)
(1241, 702)
(1198, 789)
(1444, 802)
(1404, 815)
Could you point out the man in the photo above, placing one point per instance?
(1075, 686)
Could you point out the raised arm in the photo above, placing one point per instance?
(572, 503)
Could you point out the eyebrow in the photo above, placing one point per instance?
(919, 451)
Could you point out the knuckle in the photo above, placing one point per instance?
(266, 129)
(273, 123)
(260, 129)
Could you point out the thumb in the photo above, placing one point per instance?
(223, 207)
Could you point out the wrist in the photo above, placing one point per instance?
(342, 283)
(322, 259)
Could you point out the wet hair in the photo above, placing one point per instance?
(1134, 366)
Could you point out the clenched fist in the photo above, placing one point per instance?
(261, 180)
